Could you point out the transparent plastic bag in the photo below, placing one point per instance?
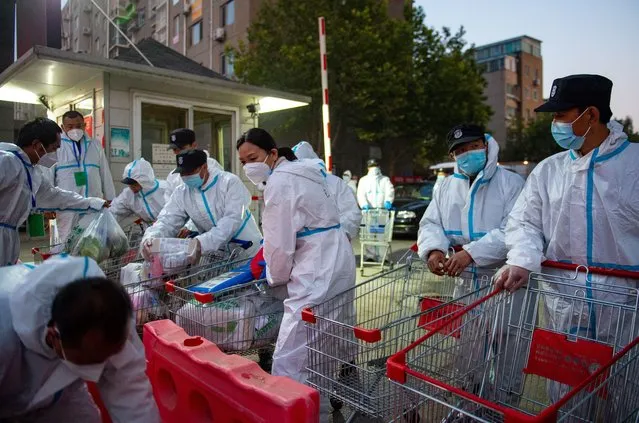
(172, 254)
(77, 231)
(102, 239)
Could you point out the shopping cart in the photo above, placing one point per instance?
(376, 232)
(148, 295)
(244, 319)
(542, 360)
(351, 335)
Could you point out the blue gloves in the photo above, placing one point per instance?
(366, 207)
(388, 205)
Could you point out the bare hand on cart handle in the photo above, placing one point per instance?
(436, 262)
(512, 278)
(457, 263)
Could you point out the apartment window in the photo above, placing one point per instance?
(534, 94)
(511, 111)
(228, 13)
(176, 29)
(196, 33)
(227, 64)
(97, 46)
(527, 70)
(77, 23)
(536, 73)
(175, 2)
(526, 93)
(528, 114)
(141, 16)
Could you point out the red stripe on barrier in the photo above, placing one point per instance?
(326, 96)
(323, 27)
(194, 381)
(328, 130)
(325, 61)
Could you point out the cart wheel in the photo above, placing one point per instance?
(336, 403)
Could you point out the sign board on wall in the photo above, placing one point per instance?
(121, 142)
(196, 10)
(163, 160)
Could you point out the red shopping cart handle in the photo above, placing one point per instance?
(591, 269)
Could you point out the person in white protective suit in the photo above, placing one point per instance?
(304, 249)
(23, 187)
(218, 204)
(347, 177)
(375, 191)
(81, 167)
(143, 197)
(180, 141)
(64, 324)
(470, 211)
(580, 206)
(349, 212)
(471, 208)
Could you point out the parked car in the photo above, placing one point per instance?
(411, 201)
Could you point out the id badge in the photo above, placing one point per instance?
(80, 178)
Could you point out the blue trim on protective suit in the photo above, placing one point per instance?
(307, 232)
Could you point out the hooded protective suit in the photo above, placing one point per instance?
(582, 210)
(146, 204)
(375, 189)
(472, 216)
(23, 188)
(174, 180)
(82, 168)
(35, 384)
(305, 250)
(348, 180)
(350, 215)
(219, 211)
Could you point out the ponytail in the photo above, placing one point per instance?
(287, 153)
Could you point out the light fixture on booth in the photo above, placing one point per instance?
(525, 162)
(274, 104)
(15, 94)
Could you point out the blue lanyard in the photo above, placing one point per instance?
(26, 169)
(78, 156)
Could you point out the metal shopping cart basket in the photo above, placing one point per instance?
(244, 319)
(565, 351)
(351, 335)
(149, 296)
(376, 232)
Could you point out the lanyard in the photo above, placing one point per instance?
(78, 156)
(26, 168)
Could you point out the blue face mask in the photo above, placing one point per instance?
(193, 181)
(471, 162)
(564, 135)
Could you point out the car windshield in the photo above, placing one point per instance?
(422, 191)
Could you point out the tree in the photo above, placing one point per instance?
(532, 142)
(394, 83)
(628, 128)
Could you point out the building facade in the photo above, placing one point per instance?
(513, 69)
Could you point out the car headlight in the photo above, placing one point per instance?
(404, 214)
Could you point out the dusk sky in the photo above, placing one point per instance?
(578, 36)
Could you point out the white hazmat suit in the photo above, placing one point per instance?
(305, 251)
(23, 188)
(582, 210)
(350, 216)
(174, 180)
(82, 167)
(375, 189)
(219, 210)
(35, 384)
(473, 216)
(147, 203)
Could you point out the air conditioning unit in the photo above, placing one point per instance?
(536, 82)
(65, 35)
(87, 8)
(187, 8)
(154, 8)
(220, 34)
(86, 30)
(153, 26)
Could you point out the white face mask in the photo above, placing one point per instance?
(49, 159)
(258, 173)
(88, 372)
(75, 134)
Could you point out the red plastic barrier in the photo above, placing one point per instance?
(193, 381)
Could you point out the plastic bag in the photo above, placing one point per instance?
(131, 274)
(229, 324)
(267, 323)
(147, 305)
(102, 239)
(171, 254)
(77, 231)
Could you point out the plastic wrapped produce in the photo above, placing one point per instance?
(228, 324)
(77, 231)
(102, 239)
(170, 255)
(131, 274)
